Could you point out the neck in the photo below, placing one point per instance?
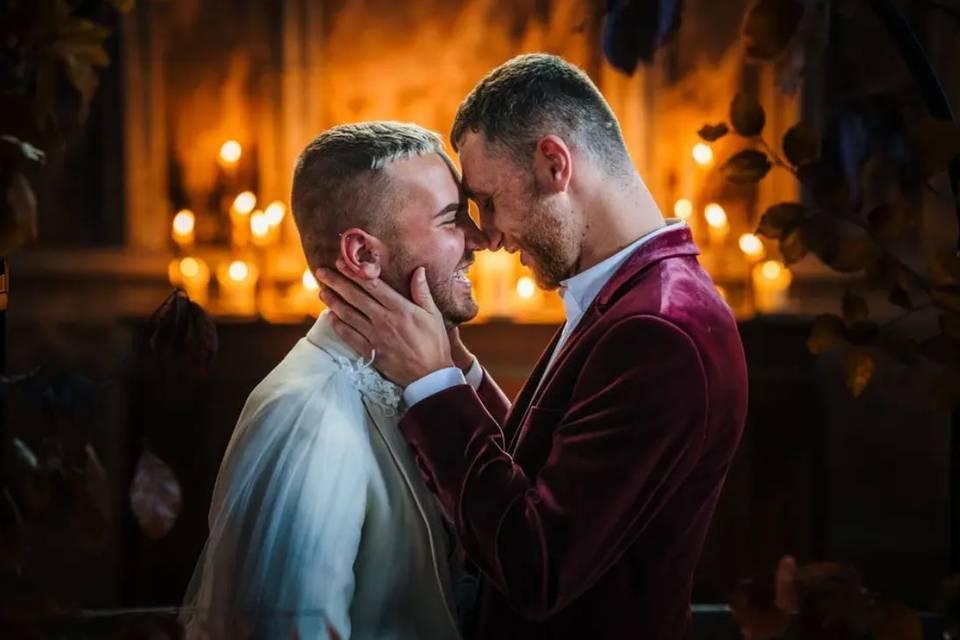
(615, 218)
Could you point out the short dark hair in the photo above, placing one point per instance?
(537, 94)
(338, 181)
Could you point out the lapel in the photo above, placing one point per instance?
(384, 421)
(511, 425)
(673, 243)
(386, 426)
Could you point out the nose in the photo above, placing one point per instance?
(474, 238)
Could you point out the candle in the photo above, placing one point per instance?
(183, 228)
(261, 233)
(309, 294)
(702, 154)
(683, 209)
(238, 284)
(193, 276)
(230, 153)
(243, 204)
(274, 213)
(752, 247)
(717, 226)
(771, 282)
(493, 271)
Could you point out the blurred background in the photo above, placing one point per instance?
(179, 175)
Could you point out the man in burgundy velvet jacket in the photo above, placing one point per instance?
(584, 504)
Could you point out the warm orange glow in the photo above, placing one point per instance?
(259, 226)
(309, 282)
(722, 292)
(275, 212)
(771, 270)
(683, 209)
(244, 202)
(238, 271)
(230, 152)
(702, 154)
(183, 226)
(526, 288)
(189, 267)
(751, 246)
(715, 215)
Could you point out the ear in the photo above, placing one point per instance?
(552, 164)
(362, 253)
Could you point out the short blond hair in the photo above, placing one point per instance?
(338, 182)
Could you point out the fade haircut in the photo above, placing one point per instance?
(537, 94)
(339, 182)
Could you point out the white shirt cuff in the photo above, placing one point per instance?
(474, 374)
(432, 383)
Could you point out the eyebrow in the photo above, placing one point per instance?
(453, 207)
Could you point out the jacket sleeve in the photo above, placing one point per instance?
(629, 437)
(287, 526)
(493, 398)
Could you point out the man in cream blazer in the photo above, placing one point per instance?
(321, 525)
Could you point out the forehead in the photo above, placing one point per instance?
(481, 166)
(426, 180)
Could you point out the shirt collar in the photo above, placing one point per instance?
(579, 291)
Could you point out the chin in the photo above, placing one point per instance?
(465, 311)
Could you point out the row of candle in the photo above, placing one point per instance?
(236, 282)
(261, 228)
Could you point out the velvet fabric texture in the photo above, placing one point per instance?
(586, 504)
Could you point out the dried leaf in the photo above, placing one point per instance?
(155, 496)
(746, 167)
(747, 115)
(780, 219)
(633, 31)
(713, 132)
(183, 335)
(934, 143)
(858, 370)
(770, 26)
(827, 333)
(854, 308)
(801, 144)
(840, 244)
(18, 218)
(793, 247)
(826, 184)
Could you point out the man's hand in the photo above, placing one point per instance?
(409, 340)
(458, 351)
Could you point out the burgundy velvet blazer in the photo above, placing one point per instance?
(586, 503)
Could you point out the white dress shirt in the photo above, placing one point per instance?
(577, 293)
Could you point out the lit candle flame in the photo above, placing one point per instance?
(751, 245)
(245, 202)
(309, 282)
(772, 270)
(183, 226)
(525, 287)
(238, 271)
(715, 215)
(702, 154)
(274, 213)
(683, 209)
(259, 226)
(189, 267)
(230, 152)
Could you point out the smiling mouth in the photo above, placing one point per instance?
(460, 275)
